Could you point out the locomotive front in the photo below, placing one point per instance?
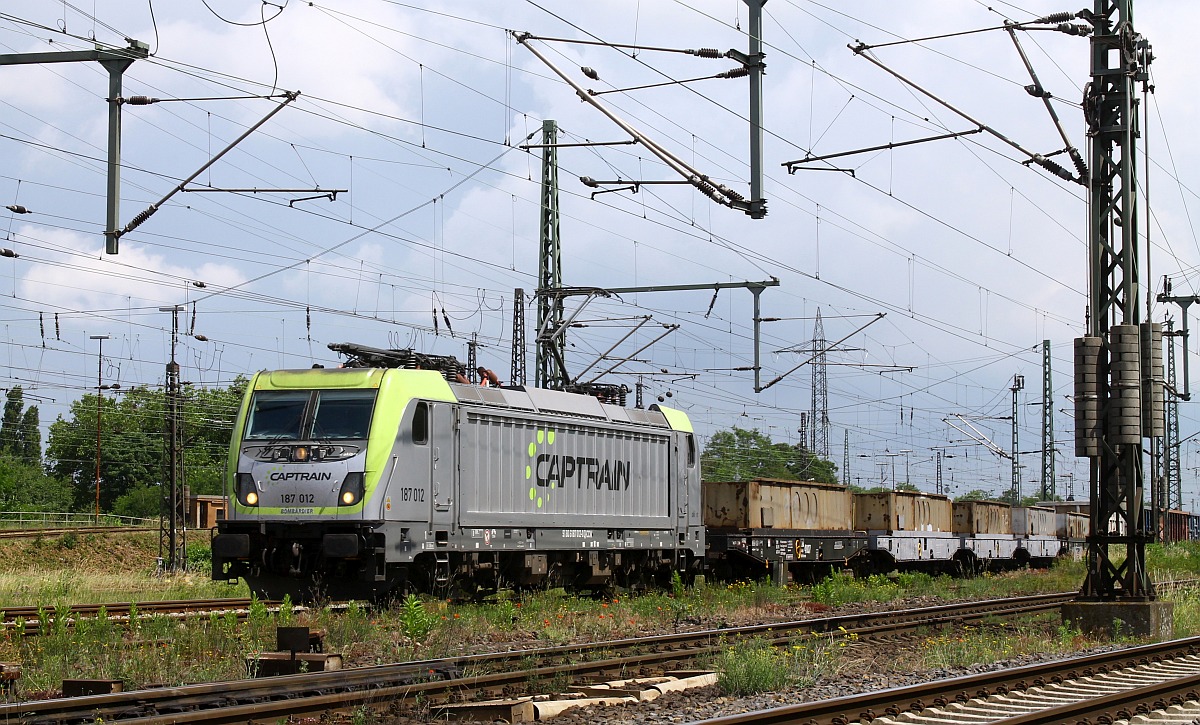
(300, 476)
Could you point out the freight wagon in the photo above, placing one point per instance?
(795, 529)
(800, 530)
(985, 534)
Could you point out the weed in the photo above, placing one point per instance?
(415, 622)
(677, 589)
(755, 666)
(967, 645)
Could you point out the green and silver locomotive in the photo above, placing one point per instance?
(368, 481)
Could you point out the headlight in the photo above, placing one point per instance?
(247, 492)
(352, 489)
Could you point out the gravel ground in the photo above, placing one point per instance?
(709, 702)
(860, 672)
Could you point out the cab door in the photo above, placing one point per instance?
(443, 467)
(681, 490)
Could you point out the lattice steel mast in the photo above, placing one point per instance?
(173, 547)
(551, 339)
(820, 392)
(1048, 492)
(1109, 362)
(1171, 469)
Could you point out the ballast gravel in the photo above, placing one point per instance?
(709, 702)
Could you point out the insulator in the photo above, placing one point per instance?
(1074, 29)
(137, 220)
(140, 100)
(1035, 90)
(706, 188)
(1080, 166)
(1055, 18)
(731, 194)
(17, 209)
(1054, 168)
(734, 73)
(708, 53)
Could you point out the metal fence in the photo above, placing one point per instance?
(47, 519)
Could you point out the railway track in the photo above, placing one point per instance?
(474, 677)
(29, 619)
(1105, 688)
(59, 531)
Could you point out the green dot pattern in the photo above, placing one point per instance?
(547, 438)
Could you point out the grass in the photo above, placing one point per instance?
(156, 650)
(968, 645)
(72, 569)
(754, 666)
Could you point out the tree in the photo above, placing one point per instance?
(977, 494)
(133, 442)
(743, 455)
(1009, 497)
(20, 436)
(27, 487)
(31, 436)
(145, 502)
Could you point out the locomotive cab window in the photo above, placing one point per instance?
(276, 415)
(342, 414)
(691, 450)
(310, 415)
(420, 424)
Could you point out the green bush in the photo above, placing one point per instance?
(198, 557)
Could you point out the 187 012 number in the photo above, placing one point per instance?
(299, 498)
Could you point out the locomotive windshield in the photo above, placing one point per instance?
(310, 415)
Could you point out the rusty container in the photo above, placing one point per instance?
(902, 511)
(1033, 521)
(1071, 525)
(982, 517)
(774, 504)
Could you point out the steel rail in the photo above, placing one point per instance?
(459, 678)
(30, 619)
(1117, 706)
(915, 698)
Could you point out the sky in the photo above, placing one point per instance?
(411, 116)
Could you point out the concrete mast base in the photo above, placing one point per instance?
(1153, 619)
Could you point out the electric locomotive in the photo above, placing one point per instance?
(387, 476)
